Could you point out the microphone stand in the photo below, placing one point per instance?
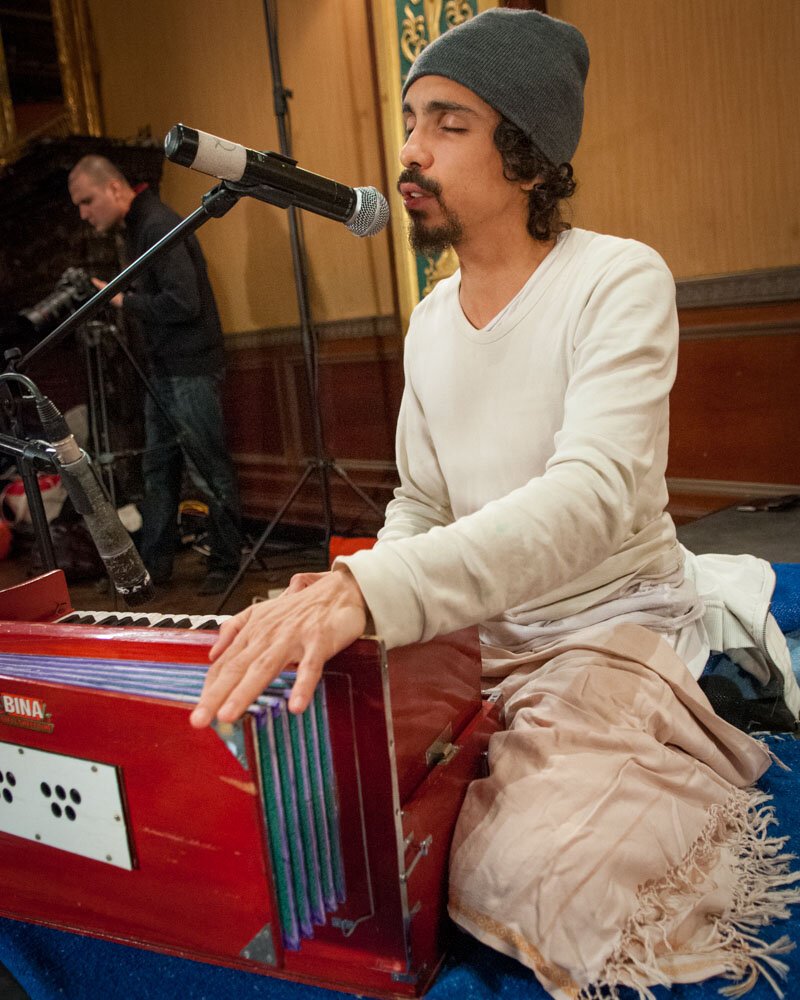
(322, 464)
(31, 455)
(215, 204)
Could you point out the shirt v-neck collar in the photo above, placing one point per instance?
(526, 298)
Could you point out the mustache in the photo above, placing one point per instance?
(413, 176)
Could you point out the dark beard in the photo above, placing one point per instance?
(431, 242)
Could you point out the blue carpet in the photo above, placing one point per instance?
(786, 598)
(54, 965)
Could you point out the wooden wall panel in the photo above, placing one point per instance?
(254, 404)
(359, 396)
(207, 64)
(734, 409)
(691, 138)
(270, 424)
(734, 412)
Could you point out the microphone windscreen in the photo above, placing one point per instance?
(114, 545)
(371, 214)
(130, 578)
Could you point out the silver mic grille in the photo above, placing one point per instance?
(371, 214)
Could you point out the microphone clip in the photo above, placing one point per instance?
(263, 192)
(221, 199)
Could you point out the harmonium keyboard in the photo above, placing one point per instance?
(313, 848)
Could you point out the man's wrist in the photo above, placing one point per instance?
(354, 593)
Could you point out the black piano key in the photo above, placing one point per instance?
(174, 623)
(127, 620)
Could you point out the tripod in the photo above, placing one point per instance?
(92, 337)
(321, 465)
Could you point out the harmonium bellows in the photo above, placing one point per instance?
(311, 847)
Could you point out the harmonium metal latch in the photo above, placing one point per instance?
(442, 750)
(422, 846)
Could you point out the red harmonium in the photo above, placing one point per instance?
(312, 848)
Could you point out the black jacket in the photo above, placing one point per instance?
(171, 301)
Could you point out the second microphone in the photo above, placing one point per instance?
(363, 210)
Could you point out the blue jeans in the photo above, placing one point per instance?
(193, 403)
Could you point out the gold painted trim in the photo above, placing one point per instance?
(422, 24)
(389, 84)
(456, 12)
(78, 70)
(8, 125)
(438, 268)
(77, 62)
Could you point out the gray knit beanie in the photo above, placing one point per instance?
(526, 65)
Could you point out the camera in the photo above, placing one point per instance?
(72, 289)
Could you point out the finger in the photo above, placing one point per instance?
(244, 661)
(309, 673)
(300, 581)
(243, 672)
(221, 683)
(228, 632)
(220, 677)
(98, 283)
(231, 702)
(203, 713)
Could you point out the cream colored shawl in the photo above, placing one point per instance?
(617, 840)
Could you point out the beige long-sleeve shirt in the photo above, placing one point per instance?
(531, 453)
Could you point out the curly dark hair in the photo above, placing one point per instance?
(522, 161)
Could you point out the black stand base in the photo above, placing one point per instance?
(322, 467)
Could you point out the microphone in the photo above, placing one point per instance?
(114, 545)
(364, 210)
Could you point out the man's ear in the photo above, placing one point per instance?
(531, 184)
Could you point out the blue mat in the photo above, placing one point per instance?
(786, 598)
(54, 965)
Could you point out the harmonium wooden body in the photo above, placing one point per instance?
(312, 848)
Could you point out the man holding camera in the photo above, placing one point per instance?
(173, 305)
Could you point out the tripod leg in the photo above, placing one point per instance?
(357, 489)
(41, 529)
(104, 455)
(162, 471)
(262, 540)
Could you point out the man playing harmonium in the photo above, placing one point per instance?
(615, 841)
